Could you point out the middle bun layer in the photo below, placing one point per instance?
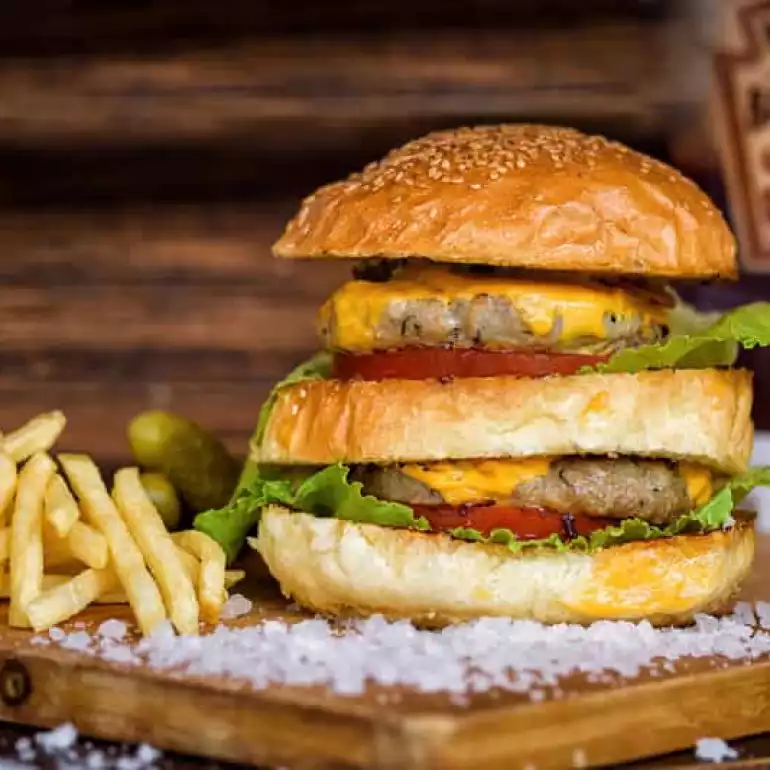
(698, 415)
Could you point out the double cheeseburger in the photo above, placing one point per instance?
(513, 413)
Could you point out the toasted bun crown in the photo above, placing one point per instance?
(698, 415)
(521, 196)
(342, 568)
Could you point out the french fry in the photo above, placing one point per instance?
(232, 577)
(53, 580)
(61, 508)
(189, 562)
(8, 478)
(84, 544)
(88, 545)
(58, 554)
(26, 553)
(160, 553)
(37, 435)
(5, 544)
(211, 578)
(70, 597)
(99, 509)
(118, 596)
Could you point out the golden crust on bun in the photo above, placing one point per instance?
(699, 415)
(341, 568)
(526, 196)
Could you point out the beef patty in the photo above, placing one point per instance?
(653, 490)
(487, 321)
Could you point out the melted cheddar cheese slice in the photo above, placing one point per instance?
(699, 481)
(475, 480)
(357, 307)
(468, 481)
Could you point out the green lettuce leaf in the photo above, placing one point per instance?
(713, 345)
(319, 367)
(325, 493)
(719, 508)
(230, 525)
(330, 493)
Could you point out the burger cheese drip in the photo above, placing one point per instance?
(433, 319)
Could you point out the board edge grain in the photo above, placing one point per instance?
(629, 722)
(136, 705)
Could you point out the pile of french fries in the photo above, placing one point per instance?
(71, 543)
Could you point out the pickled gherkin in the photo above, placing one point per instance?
(196, 463)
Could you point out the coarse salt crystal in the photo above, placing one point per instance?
(488, 654)
(113, 629)
(579, 758)
(95, 760)
(79, 640)
(25, 749)
(118, 653)
(147, 754)
(763, 614)
(714, 750)
(236, 606)
(59, 739)
(744, 613)
(56, 633)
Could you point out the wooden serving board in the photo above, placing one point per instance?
(587, 724)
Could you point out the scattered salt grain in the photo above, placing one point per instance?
(59, 739)
(235, 607)
(579, 758)
(24, 749)
(117, 653)
(743, 612)
(488, 654)
(95, 760)
(79, 640)
(113, 629)
(147, 754)
(763, 614)
(714, 750)
(60, 744)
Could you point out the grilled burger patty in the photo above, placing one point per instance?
(654, 490)
(434, 306)
(484, 321)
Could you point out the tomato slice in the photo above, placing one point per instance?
(419, 363)
(525, 523)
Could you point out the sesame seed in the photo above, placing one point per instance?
(476, 157)
(473, 156)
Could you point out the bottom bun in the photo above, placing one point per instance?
(341, 568)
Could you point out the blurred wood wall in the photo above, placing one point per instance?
(151, 152)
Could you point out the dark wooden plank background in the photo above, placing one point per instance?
(151, 152)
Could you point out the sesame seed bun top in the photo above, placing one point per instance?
(527, 196)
